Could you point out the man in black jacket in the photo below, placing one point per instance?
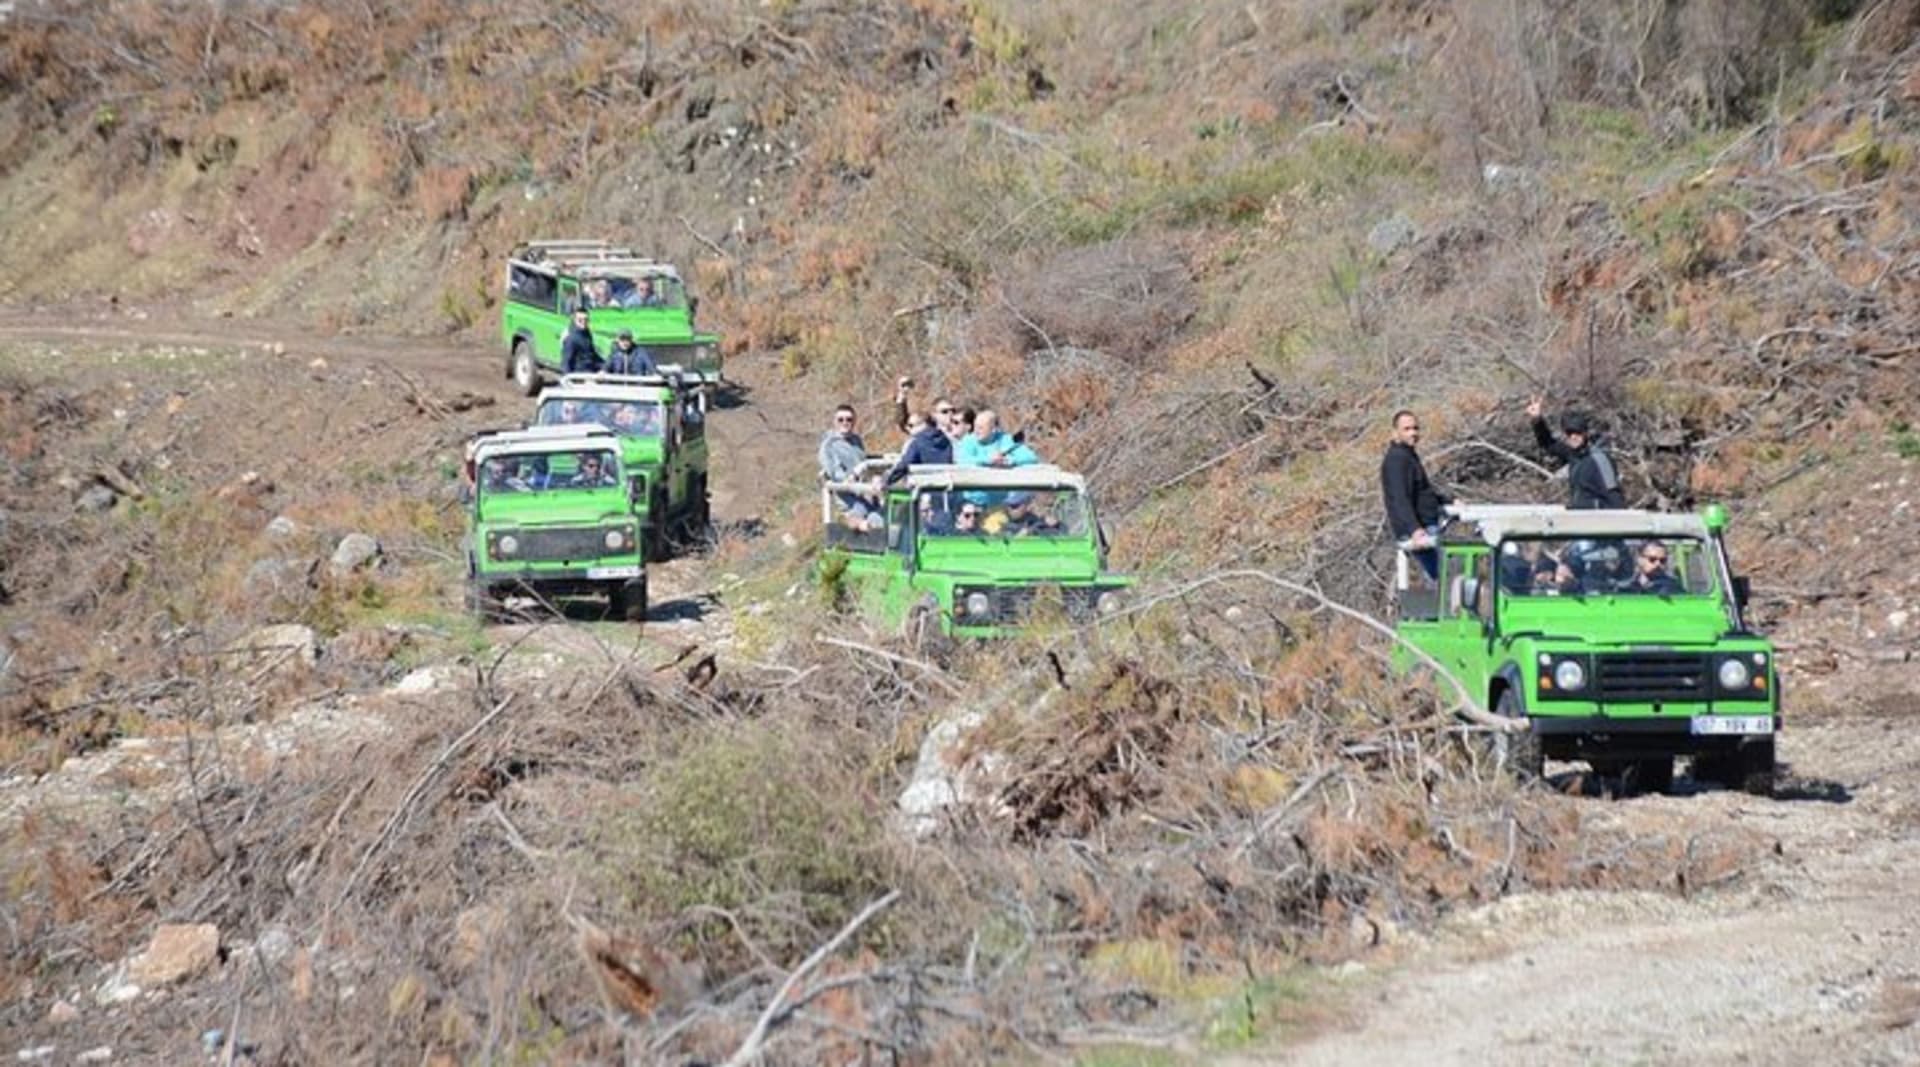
(930, 446)
(1413, 504)
(577, 354)
(1592, 480)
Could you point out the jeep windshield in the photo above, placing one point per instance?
(1606, 566)
(628, 418)
(1021, 513)
(549, 472)
(625, 291)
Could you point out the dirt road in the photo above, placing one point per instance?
(1810, 955)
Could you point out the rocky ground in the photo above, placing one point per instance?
(1805, 949)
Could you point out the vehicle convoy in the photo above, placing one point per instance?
(1618, 636)
(551, 516)
(546, 281)
(970, 551)
(660, 421)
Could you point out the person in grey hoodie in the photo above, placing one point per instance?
(841, 453)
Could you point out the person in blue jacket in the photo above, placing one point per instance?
(930, 446)
(990, 446)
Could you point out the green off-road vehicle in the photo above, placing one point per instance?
(968, 551)
(661, 422)
(1618, 636)
(621, 290)
(551, 516)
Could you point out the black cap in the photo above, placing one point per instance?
(1574, 422)
(626, 335)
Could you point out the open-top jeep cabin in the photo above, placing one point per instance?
(971, 551)
(546, 281)
(1619, 636)
(551, 515)
(660, 421)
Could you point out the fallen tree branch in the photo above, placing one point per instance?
(757, 1038)
(934, 673)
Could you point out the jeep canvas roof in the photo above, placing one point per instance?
(568, 438)
(588, 258)
(1498, 522)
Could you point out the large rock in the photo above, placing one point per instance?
(1392, 234)
(273, 577)
(291, 640)
(943, 779)
(96, 498)
(355, 551)
(178, 952)
(282, 528)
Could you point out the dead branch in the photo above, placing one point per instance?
(933, 673)
(778, 1007)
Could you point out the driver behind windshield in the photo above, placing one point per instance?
(593, 473)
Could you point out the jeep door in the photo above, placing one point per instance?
(1439, 619)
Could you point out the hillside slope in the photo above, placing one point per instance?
(1198, 250)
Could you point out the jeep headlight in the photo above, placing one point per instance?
(978, 604)
(1569, 676)
(507, 545)
(1110, 601)
(616, 540)
(1734, 674)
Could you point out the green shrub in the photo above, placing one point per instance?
(750, 814)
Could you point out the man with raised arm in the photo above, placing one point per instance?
(1592, 479)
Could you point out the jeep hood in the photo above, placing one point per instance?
(643, 451)
(586, 508)
(1001, 559)
(1619, 621)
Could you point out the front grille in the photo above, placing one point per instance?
(577, 543)
(1012, 604)
(1652, 676)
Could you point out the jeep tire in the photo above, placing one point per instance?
(653, 536)
(1518, 752)
(1648, 776)
(1749, 768)
(628, 600)
(526, 370)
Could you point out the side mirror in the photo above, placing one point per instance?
(1742, 591)
(1470, 596)
(693, 307)
(636, 490)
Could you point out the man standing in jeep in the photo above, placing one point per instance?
(577, 354)
(1592, 480)
(1413, 505)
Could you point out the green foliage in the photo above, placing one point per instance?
(1905, 442)
(830, 578)
(1254, 1011)
(743, 816)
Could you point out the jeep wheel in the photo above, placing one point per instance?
(628, 600)
(699, 515)
(1517, 752)
(1757, 769)
(1648, 776)
(526, 372)
(482, 604)
(653, 536)
(921, 630)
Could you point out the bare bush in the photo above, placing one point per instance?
(1123, 298)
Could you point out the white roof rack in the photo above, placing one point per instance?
(1498, 522)
(567, 438)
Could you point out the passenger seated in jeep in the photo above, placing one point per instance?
(967, 519)
(1019, 517)
(503, 476)
(593, 473)
(933, 518)
(600, 293)
(1650, 574)
(642, 295)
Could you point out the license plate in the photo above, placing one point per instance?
(1734, 725)
(599, 573)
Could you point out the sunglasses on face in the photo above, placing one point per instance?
(943, 411)
(843, 418)
(969, 514)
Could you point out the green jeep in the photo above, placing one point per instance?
(661, 423)
(551, 516)
(1619, 636)
(969, 551)
(621, 290)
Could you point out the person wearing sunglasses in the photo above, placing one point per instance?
(967, 519)
(1650, 573)
(841, 453)
(931, 446)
